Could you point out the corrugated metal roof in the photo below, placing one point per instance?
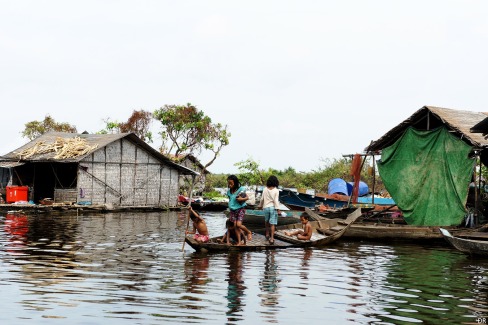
(92, 140)
(459, 122)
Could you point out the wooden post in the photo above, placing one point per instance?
(478, 195)
(361, 168)
(374, 179)
(189, 206)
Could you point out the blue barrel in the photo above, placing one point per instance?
(363, 188)
(337, 186)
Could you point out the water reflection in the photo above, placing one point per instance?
(196, 273)
(307, 253)
(269, 285)
(269, 282)
(236, 288)
(129, 267)
(16, 226)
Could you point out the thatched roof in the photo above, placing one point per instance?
(459, 122)
(87, 144)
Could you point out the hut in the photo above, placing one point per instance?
(115, 170)
(191, 162)
(428, 162)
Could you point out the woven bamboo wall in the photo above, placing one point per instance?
(123, 174)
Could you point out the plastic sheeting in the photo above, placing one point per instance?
(427, 174)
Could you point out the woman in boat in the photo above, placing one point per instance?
(237, 201)
(271, 206)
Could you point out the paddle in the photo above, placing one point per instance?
(189, 206)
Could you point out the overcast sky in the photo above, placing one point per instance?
(296, 82)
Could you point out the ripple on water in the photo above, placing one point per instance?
(133, 268)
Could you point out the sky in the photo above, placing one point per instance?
(298, 83)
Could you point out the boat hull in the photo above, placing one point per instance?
(255, 218)
(468, 246)
(258, 242)
(324, 231)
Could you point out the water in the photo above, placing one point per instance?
(129, 268)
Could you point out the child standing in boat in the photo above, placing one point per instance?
(237, 201)
(271, 206)
(230, 236)
(302, 234)
(199, 227)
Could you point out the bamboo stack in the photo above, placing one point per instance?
(65, 148)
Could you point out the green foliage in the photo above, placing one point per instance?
(187, 130)
(213, 195)
(34, 129)
(215, 180)
(138, 123)
(251, 174)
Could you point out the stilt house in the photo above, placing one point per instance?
(428, 164)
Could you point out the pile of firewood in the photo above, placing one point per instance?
(64, 148)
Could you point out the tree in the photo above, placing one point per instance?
(138, 123)
(250, 172)
(186, 130)
(34, 129)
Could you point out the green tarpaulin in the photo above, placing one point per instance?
(427, 174)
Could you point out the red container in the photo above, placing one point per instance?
(16, 193)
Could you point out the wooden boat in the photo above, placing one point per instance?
(465, 245)
(258, 242)
(371, 228)
(202, 204)
(338, 201)
(325, 231)
(209, 205)
(299, 201)
(255, 218)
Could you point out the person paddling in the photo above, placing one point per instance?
(199, 227)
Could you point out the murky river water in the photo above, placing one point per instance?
(132, 268)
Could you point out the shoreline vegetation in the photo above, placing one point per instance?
(250, 174)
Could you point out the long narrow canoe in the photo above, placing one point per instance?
(325, 231)
(468, 246)
(255, 218)
(258, 242)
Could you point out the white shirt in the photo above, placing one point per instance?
(270, 198)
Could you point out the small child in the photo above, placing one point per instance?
(271, 206)
(199, 227)
(230, 236)
(305, 233)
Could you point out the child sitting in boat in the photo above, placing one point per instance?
(199, 227)
(302, 234)
(230, 236)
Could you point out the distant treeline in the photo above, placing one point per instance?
(251, 174)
